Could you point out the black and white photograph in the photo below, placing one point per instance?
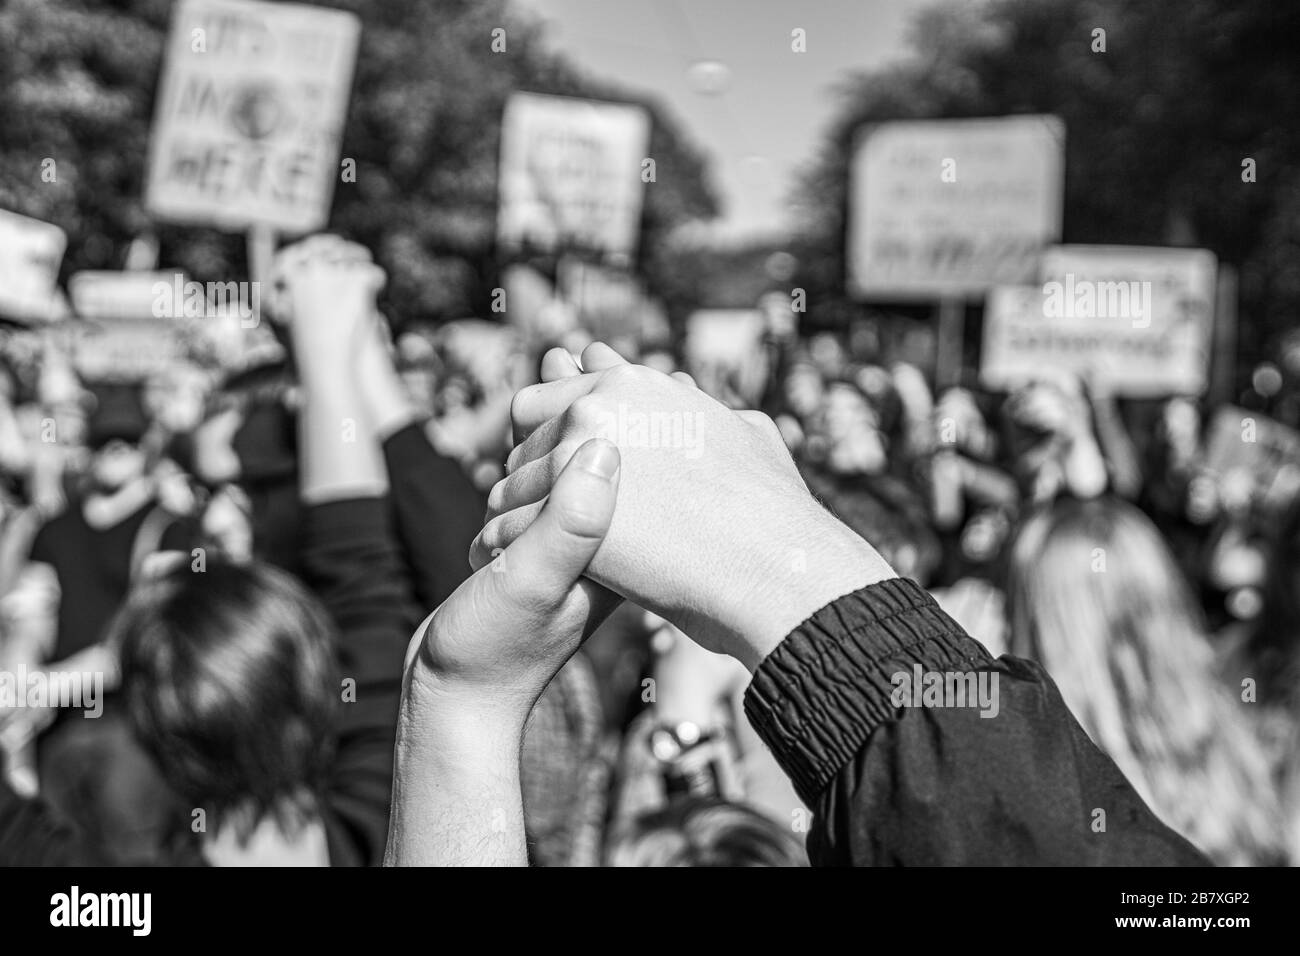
(650, 433)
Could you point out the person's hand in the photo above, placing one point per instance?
(476, 668)
(715, 529)
(323, 288)
(508, 629)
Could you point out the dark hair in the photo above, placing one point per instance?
(704, 831)
(229, 676)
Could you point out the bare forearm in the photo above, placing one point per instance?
(387, 404)
(339, 455)
(456, 793)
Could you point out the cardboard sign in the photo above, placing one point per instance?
(30, 254)
(570, 175)
(1134, 320)
(250, 114)
(129, 350)
(951, 208)
(107, 296)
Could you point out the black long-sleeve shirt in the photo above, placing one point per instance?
(352, 562)
(438, 513)
(940, 785)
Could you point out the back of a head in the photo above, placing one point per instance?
(228, 675)
(1096, 597)
(695, 831)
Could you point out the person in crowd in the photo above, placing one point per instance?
(93, 549)
(1097, 599)
(1269, 659)
(694, 739)
(698, 831)
(270, 711)
(579, 522)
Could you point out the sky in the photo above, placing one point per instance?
(775, 104)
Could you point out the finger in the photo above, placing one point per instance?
(536, 404)
(559, 363)
(501, 531)
(580, 415)
(685, 378)
(598, 356)
(549, 557)
(530, 482)
(539, 443)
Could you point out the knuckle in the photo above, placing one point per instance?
(584, 413)
(497, 497)
(560, 457)
(489, 538)
(520, 403)
(581, 518)
(624, 376)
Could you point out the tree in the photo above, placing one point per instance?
(1158, 126)
(77, 85)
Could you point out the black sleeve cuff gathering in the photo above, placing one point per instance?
(817, 698)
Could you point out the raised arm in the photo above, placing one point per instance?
(477, 667)
(350, 555)
(436, 507)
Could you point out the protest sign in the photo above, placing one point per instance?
(126, 350)
(950, 208)
(109, 296)
(1135, 321)
(570, 177)
(250, 114)
(30, 253)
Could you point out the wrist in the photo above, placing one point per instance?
(818, 561)
(463, 714)
(456, 789)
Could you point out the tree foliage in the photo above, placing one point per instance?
(77, 84)
(1158, 126)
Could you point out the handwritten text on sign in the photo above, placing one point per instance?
(953, 207)
(1133, 320)
(571, 174)
(250, 114)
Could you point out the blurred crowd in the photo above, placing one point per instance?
(1151, 571)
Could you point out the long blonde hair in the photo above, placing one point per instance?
(1096, 597)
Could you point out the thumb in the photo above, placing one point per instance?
(548, 558)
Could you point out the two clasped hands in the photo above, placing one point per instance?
(722, 539)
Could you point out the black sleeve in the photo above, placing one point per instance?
(351, 560)
(940, 785)
(181, 534)
(438, 512)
